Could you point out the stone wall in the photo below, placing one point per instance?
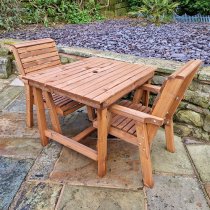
(114, 8)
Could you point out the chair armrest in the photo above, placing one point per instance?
(151, 88)
(136, 115)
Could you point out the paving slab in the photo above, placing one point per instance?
(8, 95)
(17, 82)
(5, 82)
(82, 197)
(200, 155)
(176, 192)
(123, 169)
(12, 174)
(37, 196)
(18, 105)
(20, 148)
(12, 125)
(167, 162)
(45, 162)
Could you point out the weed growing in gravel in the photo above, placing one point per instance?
(158, 11)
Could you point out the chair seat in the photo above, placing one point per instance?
(125, 124)
(65, 105)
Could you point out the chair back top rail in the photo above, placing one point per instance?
(35, 55)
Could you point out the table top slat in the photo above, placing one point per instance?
(93, 77)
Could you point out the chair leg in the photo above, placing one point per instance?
(91, 113)
(169, 134)
(29, 106)
(144, 150)
(145, 98)
(137, 96)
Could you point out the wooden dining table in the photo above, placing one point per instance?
(94, 82)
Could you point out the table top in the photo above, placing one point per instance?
(97, 82)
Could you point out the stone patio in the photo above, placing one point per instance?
(55, 177)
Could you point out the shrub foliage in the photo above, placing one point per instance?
(10, 14)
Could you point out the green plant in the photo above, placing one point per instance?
(134, 4)
(158, 11)
(52, 11)
(10, 14)
(193, 7)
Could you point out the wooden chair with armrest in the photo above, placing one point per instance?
(138, 124)
(36, 55)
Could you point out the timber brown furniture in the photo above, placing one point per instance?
(95, 82)
(33, 56)
(138, 124)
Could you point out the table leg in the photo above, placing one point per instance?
(102, 141)
(52, 110)
(42, 125)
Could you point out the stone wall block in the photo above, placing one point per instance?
(5, 67)
(198, 98)
(189, 116)
(158, 79)
(206, 125)
(182, 129)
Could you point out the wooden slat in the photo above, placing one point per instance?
(38, 52)
(105, 82)
(120, 90)
(40, 62)
(33, 42)
(86, 77)
(35, 47)
(43, 66)
(39, 57)
(72, 144)
(68, 72)
(55, 70)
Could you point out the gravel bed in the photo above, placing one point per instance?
(175, 41)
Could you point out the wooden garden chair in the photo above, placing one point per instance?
(35, 56)
(138, 124)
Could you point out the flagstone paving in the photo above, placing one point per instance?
(34, 195)
(12, 174)
(100, 199)
(55, 177)
(176, 192)
(200, 155)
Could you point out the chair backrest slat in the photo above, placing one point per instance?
(36, 55)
